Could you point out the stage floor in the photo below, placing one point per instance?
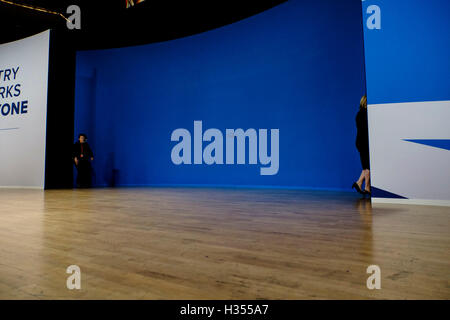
(198, 243)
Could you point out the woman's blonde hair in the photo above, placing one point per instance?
(363, 102)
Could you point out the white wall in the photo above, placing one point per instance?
(22, 136)
(413, 170)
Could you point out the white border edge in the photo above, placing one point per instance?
(425, 202)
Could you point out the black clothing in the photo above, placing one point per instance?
(84, 174)
(362, 137)
(364, 157)
(83, 153)
(80, 149)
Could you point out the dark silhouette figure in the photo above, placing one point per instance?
(362, 144)
(82, 157)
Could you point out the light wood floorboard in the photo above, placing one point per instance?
(200, 243)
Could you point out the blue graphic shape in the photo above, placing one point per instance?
(437, 143)
(380, 193)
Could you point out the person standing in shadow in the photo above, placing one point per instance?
(82, 157)
(362, 144)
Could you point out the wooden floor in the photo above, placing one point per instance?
(192, 243)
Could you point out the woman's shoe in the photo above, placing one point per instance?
(368, 193)
(357, 188)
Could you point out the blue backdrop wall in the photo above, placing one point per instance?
(407, 56)
(298, 67)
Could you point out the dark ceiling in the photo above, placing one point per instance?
(108, 23)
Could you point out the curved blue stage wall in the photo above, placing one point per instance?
(298, 68)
